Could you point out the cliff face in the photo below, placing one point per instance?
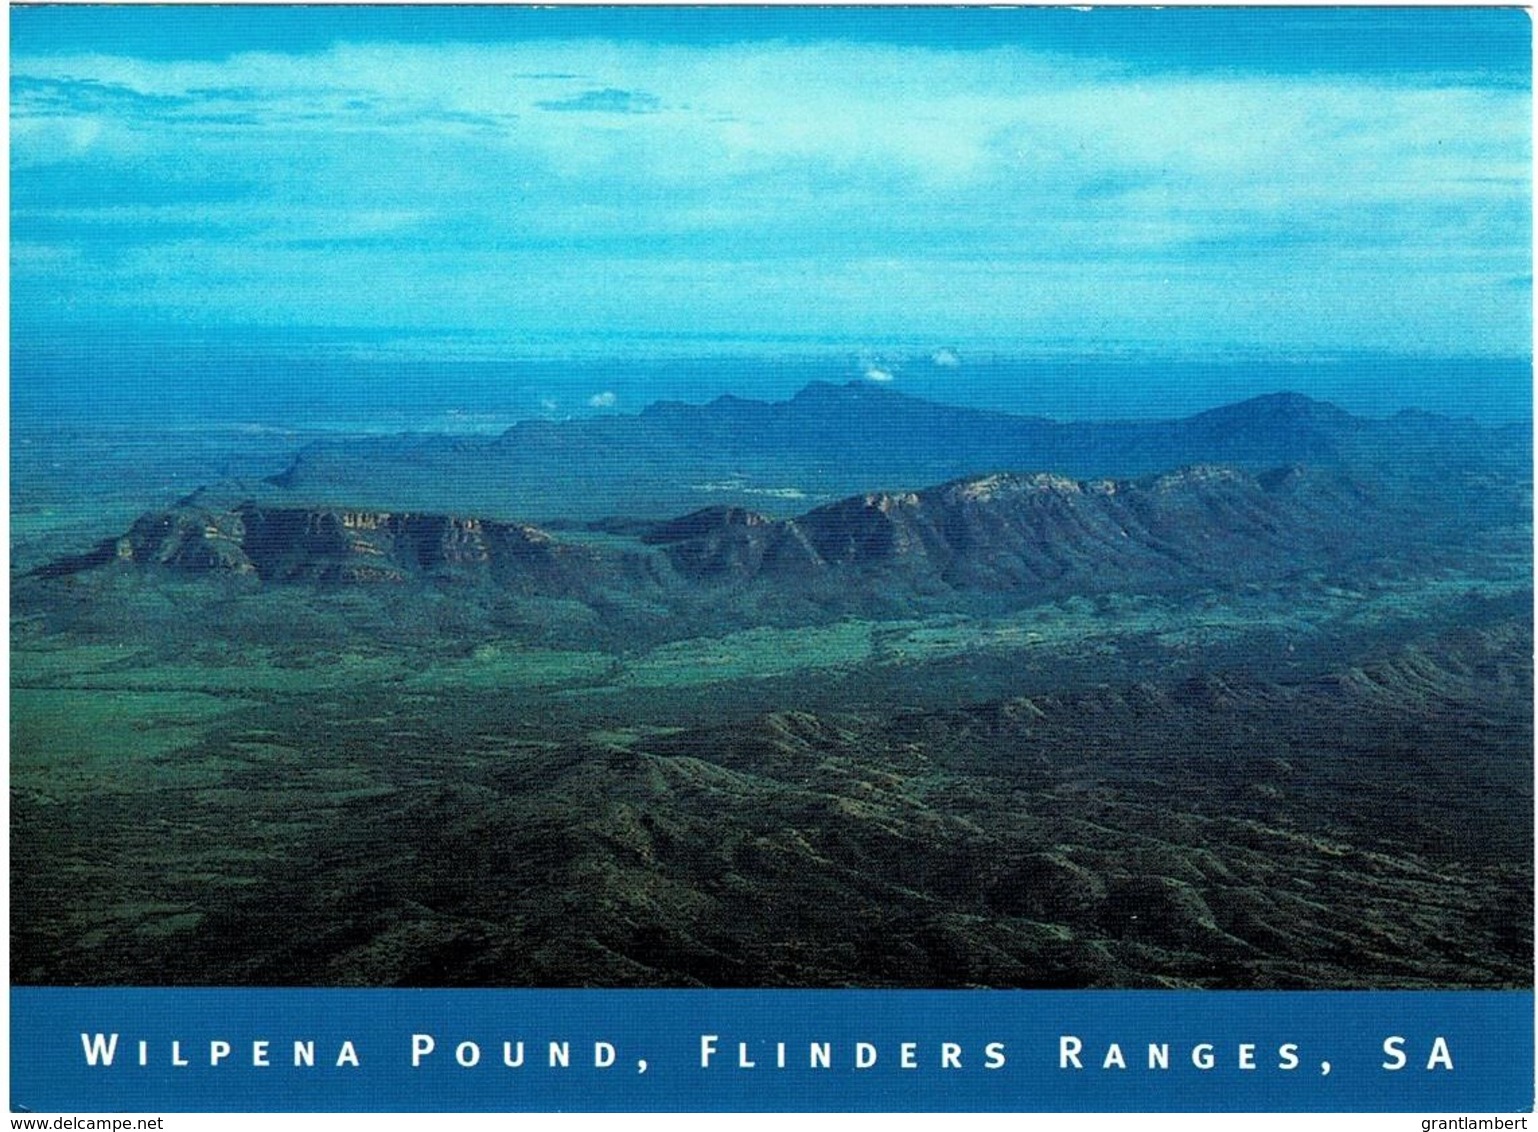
(1013, 534)
(1002, 533)
(365, 546)
(1008, 531)
(274, 544)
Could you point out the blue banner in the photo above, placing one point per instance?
(134, 1049)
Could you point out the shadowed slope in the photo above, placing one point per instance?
(831, 441)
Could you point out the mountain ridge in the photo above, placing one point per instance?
(831, 441)
(1016, 537)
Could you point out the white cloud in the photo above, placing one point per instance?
(604, 400)
(1001, 191)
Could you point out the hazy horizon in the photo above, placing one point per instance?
(341, 388)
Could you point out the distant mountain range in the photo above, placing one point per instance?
(831, 441)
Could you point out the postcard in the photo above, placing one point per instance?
(771, 558)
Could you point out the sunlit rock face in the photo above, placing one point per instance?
(1000, 533)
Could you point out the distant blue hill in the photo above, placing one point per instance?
(830, 441)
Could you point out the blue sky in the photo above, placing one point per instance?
(1279, 181)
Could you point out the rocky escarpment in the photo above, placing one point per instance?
(1021, 535)
(274, 544)
(1041, 531)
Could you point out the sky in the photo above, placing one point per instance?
(1277, 181)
